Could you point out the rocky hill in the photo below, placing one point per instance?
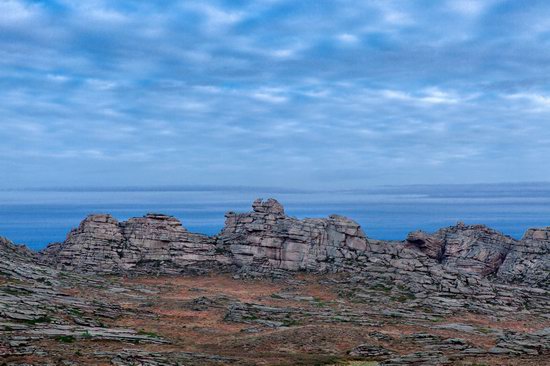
(318, 288)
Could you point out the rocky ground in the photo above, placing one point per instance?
(275, 290)
(332, 319)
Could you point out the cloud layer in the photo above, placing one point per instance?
(323, 94)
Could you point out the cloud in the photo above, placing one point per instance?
(347, 38)
(534, 98)
(14, 12)
(274, 92)
(473, 8)
(430, 95)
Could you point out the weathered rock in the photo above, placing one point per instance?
(267, 238)
(136, 357)
(269, 206)
(516, 343)
(529, 260)
(474, 249)
(369, 350)
(268, 242)
(102, 244)
(400, 306)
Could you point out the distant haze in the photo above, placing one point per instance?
(298, 94)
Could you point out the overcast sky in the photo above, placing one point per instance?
(304, 94)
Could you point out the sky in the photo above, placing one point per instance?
(302, 94)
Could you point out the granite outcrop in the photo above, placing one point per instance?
(528, 262)
(151, 243)
(267, 237)
(266, 241)
(474, 249)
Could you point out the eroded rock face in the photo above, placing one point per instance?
(431, 245)
(266, 241)
(529, 260)
(266, 237)
(8, 248)
(102, 244)
(474, 249)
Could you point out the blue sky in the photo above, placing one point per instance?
(305, 94)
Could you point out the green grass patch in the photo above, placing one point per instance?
(315, 360)
(381, 287)
(148, 334)
(319, 303)
(76, 312)
(250, 317)
(403, 297)
(42, 319)
(15, 291)
(485, 330)
(65, 339)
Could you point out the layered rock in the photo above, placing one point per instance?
(267, 238)
(9, 250)
(267, 241)
(529, 260)
(474, 249)
(102, 244)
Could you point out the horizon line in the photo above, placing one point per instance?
(238, 188)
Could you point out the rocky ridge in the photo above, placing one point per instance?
(528, 261)
(267, 241)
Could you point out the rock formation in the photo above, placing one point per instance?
(102, 244)
(267, 241)
(462, 295)
(267, 237)
(529, 260)
(264, 239)
(474, 249)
